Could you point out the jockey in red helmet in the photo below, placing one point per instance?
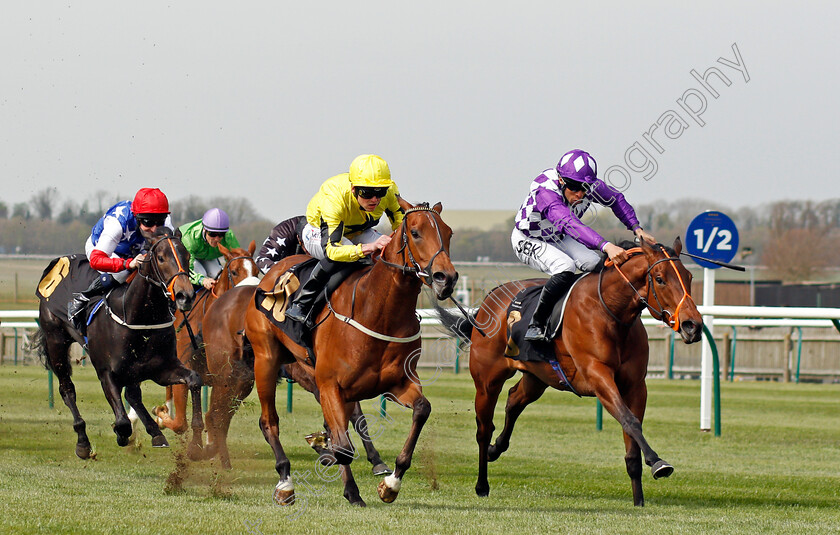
(115, 241)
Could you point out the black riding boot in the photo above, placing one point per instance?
(551, 292)
(76, 306)
(301, 307)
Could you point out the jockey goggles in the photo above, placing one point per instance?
(370, 193)
(214, 234)
(574, 185)
(151, 220)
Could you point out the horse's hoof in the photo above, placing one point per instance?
(386, 493)
(359, 503)
(195, 452)
(482, 490)
(661, 469)
(159, 441)
(317, 440)
(122, 440)
(82, 452)
(494, 452)
(382, 469)
(284, 497)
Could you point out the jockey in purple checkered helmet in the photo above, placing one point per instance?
(577, 166)
(550, 236)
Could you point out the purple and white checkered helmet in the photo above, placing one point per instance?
(579, 166)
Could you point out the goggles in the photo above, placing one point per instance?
(370, 193)
(574, 185)
(151, 220)
(214, 234)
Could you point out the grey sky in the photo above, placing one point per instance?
(467, 101)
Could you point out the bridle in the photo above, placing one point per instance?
(414, 268)
(228, 270)
(662, 314)
(158, 278)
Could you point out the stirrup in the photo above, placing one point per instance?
(295, 313)
(536, 333)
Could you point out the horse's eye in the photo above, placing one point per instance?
(160, 258)
(659, 280)
(415, 234)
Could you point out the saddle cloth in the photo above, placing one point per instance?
(273, 303)
(63, 277)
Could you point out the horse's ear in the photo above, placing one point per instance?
(438, 207)
(225, 251)
(678, 246)
(404, 204)
(178, 233)
(252, 247)
(649, 251)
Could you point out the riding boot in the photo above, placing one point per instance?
(301, 307)
(556, 286)
(76, 306)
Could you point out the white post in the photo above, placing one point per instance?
(706, 358)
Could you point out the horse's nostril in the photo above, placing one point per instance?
(439, 277)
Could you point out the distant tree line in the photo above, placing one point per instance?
(797, 240)
(46, 226)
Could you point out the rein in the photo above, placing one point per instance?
(662, 314)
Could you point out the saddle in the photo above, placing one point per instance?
(273, 303)
(522, 308)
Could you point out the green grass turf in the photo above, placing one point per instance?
(775, 469)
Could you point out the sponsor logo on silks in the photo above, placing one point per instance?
(527, 248)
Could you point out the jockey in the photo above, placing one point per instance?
(548, 234)
(202, 238)
(115, 242)
(284, 240)
(340, 220)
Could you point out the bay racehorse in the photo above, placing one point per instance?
(240, 268)
(130, 339)
(230, 365)
(602, 350)
(366, 342)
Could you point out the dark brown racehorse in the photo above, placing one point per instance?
(602, 349)
(230, 364)
(240, 268)
(131, 339)
(376, 355)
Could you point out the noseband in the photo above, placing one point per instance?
(158, 277)
(415, 268)
(662, 314)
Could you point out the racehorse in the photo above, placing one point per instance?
(602, 351)
(366, 342)
(130, 339)
(240, 268)
(230, 364)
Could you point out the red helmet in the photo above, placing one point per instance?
(150, 201)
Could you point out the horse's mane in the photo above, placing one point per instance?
(630, 244)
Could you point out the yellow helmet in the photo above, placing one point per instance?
(369, 170)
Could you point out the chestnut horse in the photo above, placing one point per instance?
(366, 342)
(230, 364)
(602, 351)
(131, 339)
(240, 268)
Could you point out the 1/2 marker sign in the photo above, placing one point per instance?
(712, 235)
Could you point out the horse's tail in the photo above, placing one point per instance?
(460, 326)
(38, 345)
